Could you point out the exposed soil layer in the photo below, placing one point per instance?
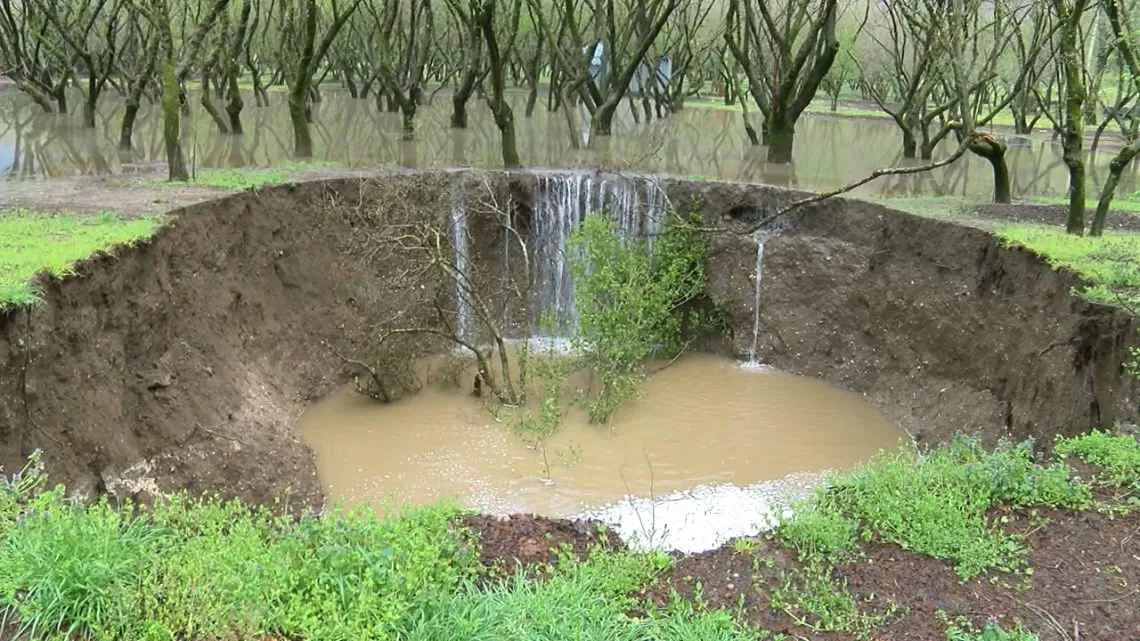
(937, 324)
(184, 362)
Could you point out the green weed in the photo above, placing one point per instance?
(815, 598)
(206, 569)
(586, 601)
(1117, 455)
(818, 535)
(936, 503)
(32, 242)
(960, 629)
(632, 302)
(1110, 263)
(744, 545)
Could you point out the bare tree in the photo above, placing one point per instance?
(600, 66)
(75, 23)
(401, 68)
(469, 28)
(1068, 60)
(785, 50)
(137, 64)
(175, 72)
(301, 27)
(500, 107)
(1124, 33)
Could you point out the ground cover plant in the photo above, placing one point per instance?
(34, 242)
(203, 568)
(1109, 263)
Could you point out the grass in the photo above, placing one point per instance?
(935, 504)
(32, 242)
(1111, 263)
(245, 178)
(201, 568)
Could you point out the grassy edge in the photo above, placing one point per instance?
(34, 244)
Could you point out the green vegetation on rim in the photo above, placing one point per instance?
(205, 569)
(32, 242)
(1110, 263)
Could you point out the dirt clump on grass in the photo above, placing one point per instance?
(527, 541)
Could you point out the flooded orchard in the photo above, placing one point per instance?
(702, 421)
(698, 141)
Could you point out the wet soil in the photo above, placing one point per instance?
(1054, 215)
(528, 542)
(1085, 582)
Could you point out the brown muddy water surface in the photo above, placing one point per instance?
(704, 420)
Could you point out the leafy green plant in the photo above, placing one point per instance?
(960, 629)
(936, 503)
(818, 535)
(815, 598)
(1117, 455)
(632, 302)
(64, 570)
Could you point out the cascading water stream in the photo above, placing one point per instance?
(753, 360)
(637, 205)
(462, 267)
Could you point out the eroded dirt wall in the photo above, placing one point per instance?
(183, 363)
(937, 324)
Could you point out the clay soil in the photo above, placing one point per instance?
(1085, 584)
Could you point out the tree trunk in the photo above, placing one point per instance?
(602, 123)
(994, 151)
(531, 100)
(910, 145)
(298, 116)
(91, 100)
(171, 127)
(60, 94)
(1115, 169)
(128, 126)
(234, 104)
(208, 104)
(781, 136)
(409, 112)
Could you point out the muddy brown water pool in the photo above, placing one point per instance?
(703, 421)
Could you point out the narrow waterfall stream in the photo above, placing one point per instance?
(459, 243)
(753, 361)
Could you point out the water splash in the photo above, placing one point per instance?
(753, 359)
(637, 205)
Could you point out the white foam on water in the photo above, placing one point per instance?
(705, 517)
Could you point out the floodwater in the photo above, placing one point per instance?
(702, 421)
(702, 142)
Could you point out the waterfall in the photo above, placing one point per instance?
(636, 204)
(753, 361)
(462, 268)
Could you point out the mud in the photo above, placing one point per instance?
(185, 362)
